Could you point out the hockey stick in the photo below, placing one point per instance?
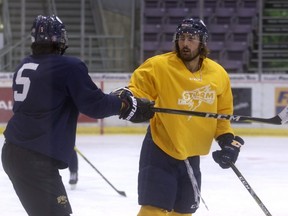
(122, 193)
(251, 191)
(279, 119)
(194, 183)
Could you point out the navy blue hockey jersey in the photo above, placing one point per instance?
(49, 92)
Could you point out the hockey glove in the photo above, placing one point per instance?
(122, 92)
(230, 148)
(136, 109)
(133, 109)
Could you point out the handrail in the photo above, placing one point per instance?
(7, 48)
(6, 22)
(52, 7)
(98, 17)
(113, 60)
(101, 52)
(100, 25)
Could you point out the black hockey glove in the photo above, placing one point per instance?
(136, 109)
(122, 92)
(230, 148)
(133, 109)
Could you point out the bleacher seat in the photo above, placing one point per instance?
(168, 36)
(176, 15)
(181, 11)
(232, 66)
(246, 16)
(211, 4)
(224, 15)
(207, 14)
(166, 46)
(190, 3)
(152, 27)
(230, 3)
(152, 3)
(250, 3)
(230, 23)
(152, 32)
(171, 3)
(169, 28)
(216, 50)
(154, 15)
(151, 45)
(175, 20)
(218, 32)
(237, 51)
(153, 48)
(150, 48)
(242, 33)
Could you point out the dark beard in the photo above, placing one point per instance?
(183, 55)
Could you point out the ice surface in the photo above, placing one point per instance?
(263, 161)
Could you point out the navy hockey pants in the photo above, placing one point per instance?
(163, 181)
(36, 180)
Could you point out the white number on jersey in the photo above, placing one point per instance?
(25, 81)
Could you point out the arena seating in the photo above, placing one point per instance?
(231, 25)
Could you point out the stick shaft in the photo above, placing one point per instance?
(119, 192)
(278, 119)
(250, 190)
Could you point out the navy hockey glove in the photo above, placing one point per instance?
(122, 92)
(133, 109)
(136, 109)
(230, 148)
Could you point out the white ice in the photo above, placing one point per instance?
(263, 161)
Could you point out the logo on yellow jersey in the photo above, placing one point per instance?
(195, 98)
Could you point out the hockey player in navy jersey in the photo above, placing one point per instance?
(50, 90)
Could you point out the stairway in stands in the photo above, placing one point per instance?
(22, 14)
(69, 12)
(36, 7)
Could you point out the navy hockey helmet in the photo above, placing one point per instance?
(192, 26)
(49, 29)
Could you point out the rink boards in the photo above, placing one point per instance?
(258, 96)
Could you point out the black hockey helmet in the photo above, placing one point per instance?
(49, 30)
(192, 26)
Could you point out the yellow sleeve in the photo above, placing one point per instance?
(224, 106)
(143, 81)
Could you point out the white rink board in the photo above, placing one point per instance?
(263, 94)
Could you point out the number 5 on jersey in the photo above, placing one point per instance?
(24, 81)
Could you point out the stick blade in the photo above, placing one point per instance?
(122, 193)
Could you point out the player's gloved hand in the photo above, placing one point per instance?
(133, 109)
(122, 92)
(230, 148)
(136, 109)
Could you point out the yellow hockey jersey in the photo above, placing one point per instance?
(166, 80)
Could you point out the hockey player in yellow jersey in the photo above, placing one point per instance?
(169, 179)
